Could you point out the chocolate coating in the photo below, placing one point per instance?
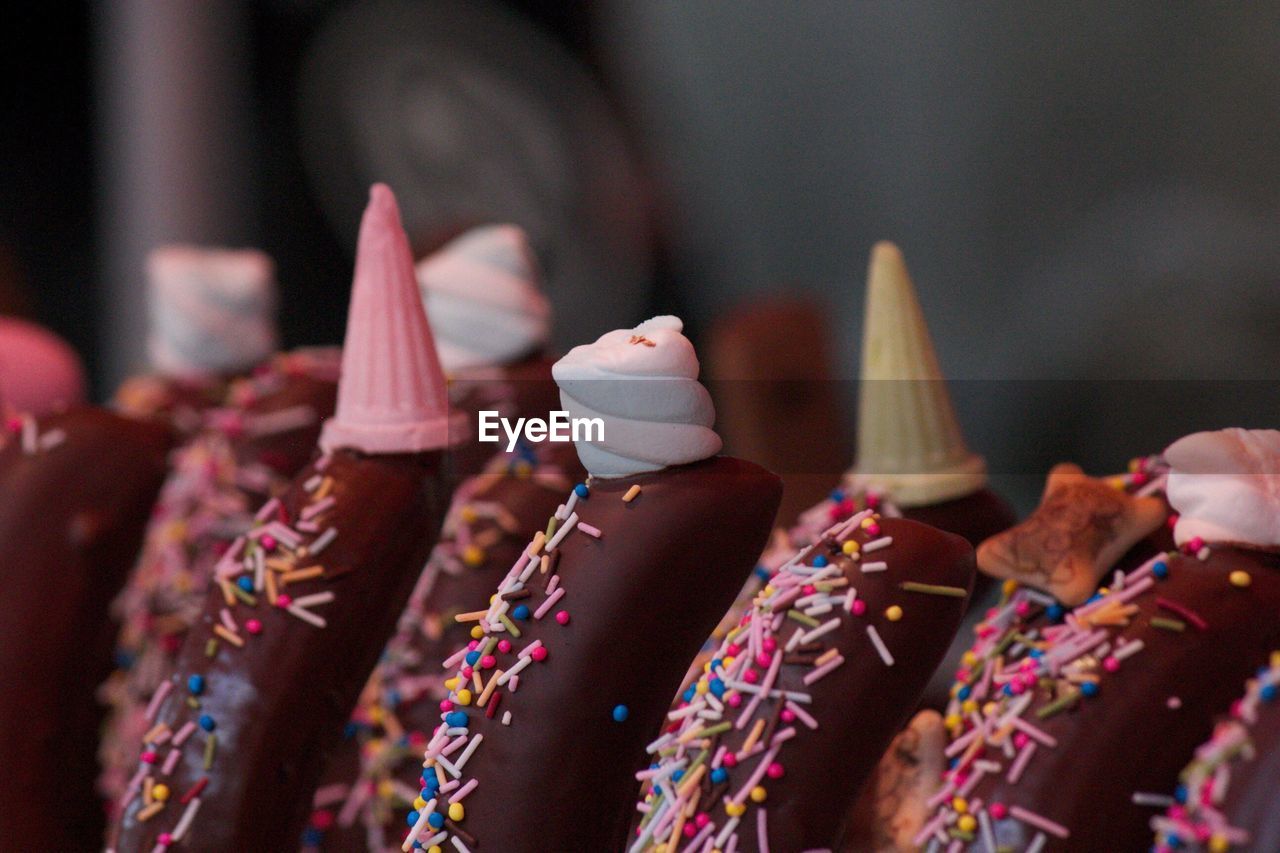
(974, 517)
(217, 478)
(279, 702)
(429, 633)
(71, 521)
(1127, 738)
(863, 703)
(641, 599)
(1252, 802)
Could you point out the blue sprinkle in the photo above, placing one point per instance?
(1097, 596)
(411, 818)
(435, 820)
(717, 687)
(472, 657)
(620, 713)
(245, 583)
(1089, 688)
(1037, 653)
(1160, 569)
(349, 731)
(688, 694)
(819, 561)
(1268, 692)
(719, 775)
(761, 572)
(964, 692)
(582, 491)
(837, 496)
(520, 612)
(312, 837)
(1180, 794)
(717, 663)
(196, 684)
(1055, 611)
(207, 723)
(677, 775)
(456, 720)
(1007, 690)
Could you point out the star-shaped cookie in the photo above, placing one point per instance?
(1082, 526)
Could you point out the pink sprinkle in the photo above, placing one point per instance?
(548, 603)
(269, 542)
(504, 646)
(774, 770)
(562, 617)
(593, 532)
(283, 600)
(859, 607)
(171, 761)
(153, 707)
(148, 757)
(253, 626)
(539, 654)
(1111, 664)
(1039, 822)
(487, 662)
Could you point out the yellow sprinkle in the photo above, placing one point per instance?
(472, 555)
(160, 792)
(451, 683)
(386, 789)
(953, 721)
(631, 494)
(463, 697)
(1009, 587)
(868, 521)
(1219, 844)
(1275, 659)
(969, 658)
(701, 687)
(435, 848)
(419, 804)
(893, 613)
(759, 794)
(735, 809)
(302, 574)
(850, 547)
(468, 514)
(233, 639)
(967, 823)
(456, 812)
(1240, 578)
(477, 632)
(150, 812)
(536, 545)
(960, 804)
(227, 595)
(969, 706)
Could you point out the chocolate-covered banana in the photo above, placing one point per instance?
(302, 605)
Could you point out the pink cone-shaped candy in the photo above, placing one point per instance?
(392, 397)
(39, 372)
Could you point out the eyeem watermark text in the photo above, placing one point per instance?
(559, 427)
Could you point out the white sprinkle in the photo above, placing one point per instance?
(314, 599)
(184, 823)
(562, 531)
(506, 718)
(881, 648)
(469, 751)
(515, 670)
(457, 842)
(867, 568)
(419, 825)
(1159, 801)
(825, 628)
(322, 541)
(307, 616)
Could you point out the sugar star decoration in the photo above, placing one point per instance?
(1082, 526)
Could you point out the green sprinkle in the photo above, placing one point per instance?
(193, 703)
(712, 730)
(934, 589)
(1168, 624)
(511, 626)
(551, 527)
(211, 648)
(802, 619)
(239, 593)
(1059, 704)
(210, 745)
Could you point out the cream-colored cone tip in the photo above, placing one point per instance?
(909, 441)
(392, 396)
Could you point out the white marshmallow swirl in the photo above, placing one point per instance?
(483, 295)
(643, 384)
(1225, 486)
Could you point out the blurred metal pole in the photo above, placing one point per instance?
(174, 148)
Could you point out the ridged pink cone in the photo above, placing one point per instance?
(392, 396)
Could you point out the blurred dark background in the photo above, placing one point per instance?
(1085, 192)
